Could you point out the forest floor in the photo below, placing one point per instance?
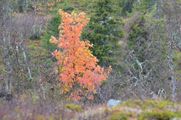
(34, 109)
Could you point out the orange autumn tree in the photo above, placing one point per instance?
(79, 73)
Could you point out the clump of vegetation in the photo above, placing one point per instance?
(159, 115)
(120, 115)
(145, 110)
(74, 107)
(148, 104)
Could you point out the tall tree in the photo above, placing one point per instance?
(103, 31)
(6, 44)
(171, 11)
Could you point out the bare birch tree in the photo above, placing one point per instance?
(172, 13)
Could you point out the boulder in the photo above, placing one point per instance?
(113, 102)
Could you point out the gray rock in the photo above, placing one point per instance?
(112, 103)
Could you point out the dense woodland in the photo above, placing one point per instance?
(65, 59)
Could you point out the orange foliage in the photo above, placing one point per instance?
(78, 68)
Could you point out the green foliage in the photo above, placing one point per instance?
(74, 107)
(52, 29)
(177, 57)
(120, 116)
(64, 5)
(144, 5)
(177, 60)
(137, 39)
(103, 31)
(148, 104)
(145, 110)
(127, 6)
(159, 115)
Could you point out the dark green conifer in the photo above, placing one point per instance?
(103, 31)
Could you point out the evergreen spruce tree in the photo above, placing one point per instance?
(103, 31)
